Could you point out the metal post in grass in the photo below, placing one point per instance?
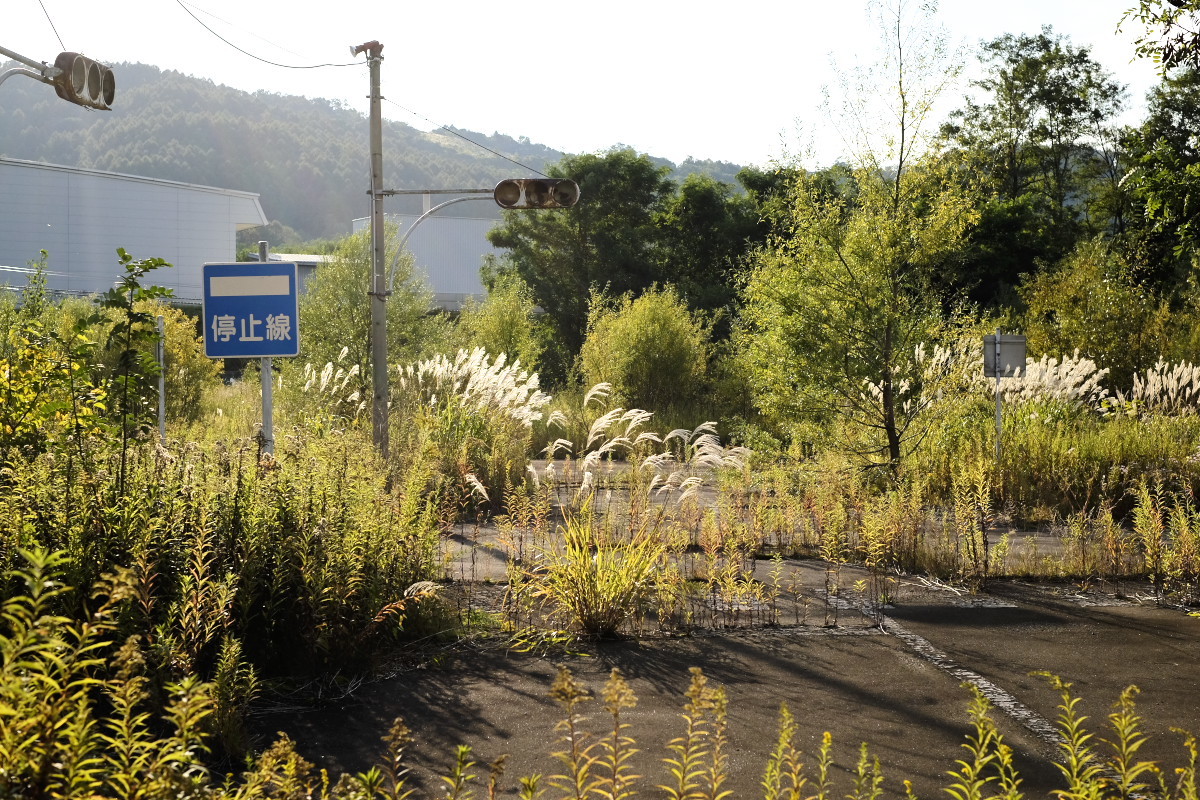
(999, 403)
(1003, 357)
(161, 354)
(267, 374)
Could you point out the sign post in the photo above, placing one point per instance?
(1003, 357)
(251, 310)
(160, 354)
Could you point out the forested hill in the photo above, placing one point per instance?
(308, 159)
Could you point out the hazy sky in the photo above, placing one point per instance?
(739, 81)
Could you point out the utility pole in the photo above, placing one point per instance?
(379, 288)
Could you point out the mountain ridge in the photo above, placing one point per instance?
(307, 158)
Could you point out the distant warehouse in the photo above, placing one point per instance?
(80, 217)
(448, 252)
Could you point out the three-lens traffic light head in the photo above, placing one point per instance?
(536, 193)
(84, 82)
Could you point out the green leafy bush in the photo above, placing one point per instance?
(505, 322)
(652, 350)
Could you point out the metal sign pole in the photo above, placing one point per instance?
(161, 352)
(999, 399)
(268, 388)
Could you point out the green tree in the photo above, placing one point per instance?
(1170, 32)
(707, 228)
(505, 322)
(47, 393)
(1165, 180)
(652, 349)
(1091, 303)
(1040, 145)
(1044, 99)
(608, 241)
(838, 306)
(189, 375)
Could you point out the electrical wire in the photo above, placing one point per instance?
(453, 132)
(437, 126)
(52, 25)
(251, 55)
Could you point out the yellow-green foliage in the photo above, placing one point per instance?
(1091, 304)
(48, 393)
(652, 350)
(189, 375)
(297, 555)
(78, 723)
(505, 322)
(594, 582)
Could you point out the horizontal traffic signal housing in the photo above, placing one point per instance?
(536, 193)
(84, 82)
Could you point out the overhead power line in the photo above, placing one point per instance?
(437, 126)
(453, 132)
(204, 25)
(53, 27)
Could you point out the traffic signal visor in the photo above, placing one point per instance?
(536, 193)
(84, 82)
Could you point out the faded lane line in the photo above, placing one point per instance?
(999, 698)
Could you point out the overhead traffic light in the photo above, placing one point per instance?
(84, 82)
(536, 193)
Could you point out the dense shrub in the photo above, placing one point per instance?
(505, 322)
(470, 418)
(652, 350)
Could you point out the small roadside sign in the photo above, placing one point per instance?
(1003, 355)
(251, 310)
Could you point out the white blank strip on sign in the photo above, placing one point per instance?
(249, 285)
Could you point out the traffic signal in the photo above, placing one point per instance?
(536, 193)
(84, 82)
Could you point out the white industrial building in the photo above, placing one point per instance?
(448, 252)
(80, 217)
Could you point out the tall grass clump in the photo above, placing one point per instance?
(1166, 389)
(1069, 444)
(593, 582)
(328, 397)
(471, 418)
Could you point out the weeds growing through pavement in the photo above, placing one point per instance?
(74, 729)
(594, 581)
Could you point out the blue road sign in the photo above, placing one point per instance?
(251, 310)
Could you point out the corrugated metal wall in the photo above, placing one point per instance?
(81, 217)
(449, 252)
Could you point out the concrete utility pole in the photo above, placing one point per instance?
(379, 288)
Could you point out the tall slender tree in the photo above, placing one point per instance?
(838, 307)
(1039, 140)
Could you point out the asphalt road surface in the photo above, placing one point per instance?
(895, 681)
